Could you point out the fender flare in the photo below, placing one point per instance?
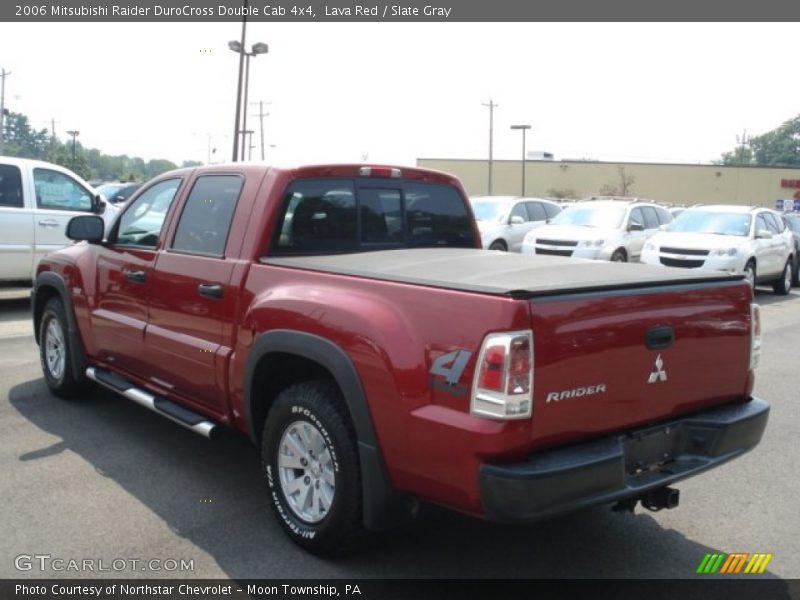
(55, 281)
(383, 507)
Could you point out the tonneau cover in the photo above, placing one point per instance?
(497, 273)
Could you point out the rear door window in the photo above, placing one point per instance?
(10, 186)
(326, 216)
(206, 218)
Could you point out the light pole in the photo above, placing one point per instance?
(524, 129)
(3, 75)
(74, 134)
(255, 50)
(491, 106)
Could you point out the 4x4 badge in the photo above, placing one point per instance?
(659, 373)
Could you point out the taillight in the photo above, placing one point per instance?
(755, 335)
(503, 385)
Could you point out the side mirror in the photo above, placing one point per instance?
(86, 228)
(636, 227)
(516, 220)
(763, 234)
(98, 204)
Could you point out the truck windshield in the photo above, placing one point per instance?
(605, 217)
(327, 216)
(696, 221)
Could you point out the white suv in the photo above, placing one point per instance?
(613, 230)
(753, 242)
(37, 200)
(503, 221)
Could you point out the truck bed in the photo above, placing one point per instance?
(498, 273)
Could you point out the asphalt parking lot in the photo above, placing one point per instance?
(106, 479)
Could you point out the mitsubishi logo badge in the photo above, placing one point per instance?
(658, 374)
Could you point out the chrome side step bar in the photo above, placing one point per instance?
(159, 405)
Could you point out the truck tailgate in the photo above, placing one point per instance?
(604, 361)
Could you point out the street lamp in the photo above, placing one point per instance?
(74, 134)
(524, 129)
(255, 50)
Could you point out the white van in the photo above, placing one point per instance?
(37, 200)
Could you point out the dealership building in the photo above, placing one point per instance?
(682, 184)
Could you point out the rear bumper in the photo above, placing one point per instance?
(622, 466)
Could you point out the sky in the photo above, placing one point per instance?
(395, 92)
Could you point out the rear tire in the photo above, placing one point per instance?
(783, 285)
(499, 245)
(310, 460)
(55, 353)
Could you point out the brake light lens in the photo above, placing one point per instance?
(503, 385)
(755, 335)
(380, 172)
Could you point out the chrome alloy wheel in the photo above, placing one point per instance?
(306, 471)
(54, 350)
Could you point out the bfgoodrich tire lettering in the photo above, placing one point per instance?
(335, 525)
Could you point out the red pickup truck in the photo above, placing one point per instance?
(345, 319)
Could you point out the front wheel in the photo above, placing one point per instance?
(310, 460)
(619, 256)
(783, 285)
(750, 274)
(55, 353)
(499, 245)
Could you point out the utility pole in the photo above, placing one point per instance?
(249, 139)
(261, 114)
(3, 75)
(744, 140)
(74, 134)
(491, 106)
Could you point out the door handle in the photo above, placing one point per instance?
(48, 223)
(136, 276)
(211, 290)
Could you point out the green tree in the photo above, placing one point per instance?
(779, 147)
(20, 139)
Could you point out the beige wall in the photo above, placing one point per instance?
(680, 184)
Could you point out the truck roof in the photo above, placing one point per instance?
(497, 273)
(331, 170)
